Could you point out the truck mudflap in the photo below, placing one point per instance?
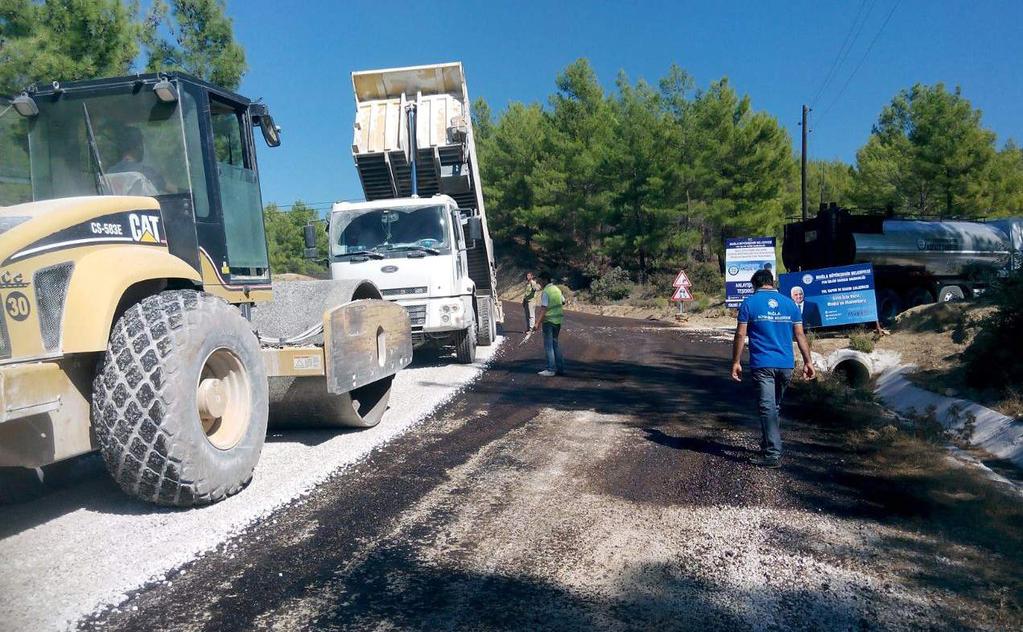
(363, 342)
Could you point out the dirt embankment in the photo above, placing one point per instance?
(511, 285)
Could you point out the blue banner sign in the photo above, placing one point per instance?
(833, 296)
(743, 257)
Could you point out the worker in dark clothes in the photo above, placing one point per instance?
(532, 287)
(771, 320)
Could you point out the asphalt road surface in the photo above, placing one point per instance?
(617, 497)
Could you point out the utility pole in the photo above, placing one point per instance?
(802, 180)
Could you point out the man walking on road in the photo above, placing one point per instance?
(549, 318)
(532, 287)
(771, 320)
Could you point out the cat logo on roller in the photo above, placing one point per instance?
(145, 228)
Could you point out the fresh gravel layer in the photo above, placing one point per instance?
(534, 514)
(86, 546)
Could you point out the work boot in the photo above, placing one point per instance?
(771, 462)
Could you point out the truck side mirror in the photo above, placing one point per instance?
(474, 228)
(309, 233)
(261, 117)
(271, 133)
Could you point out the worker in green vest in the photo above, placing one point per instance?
(549, 317)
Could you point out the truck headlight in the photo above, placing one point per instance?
(445, 318)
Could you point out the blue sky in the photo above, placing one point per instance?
(300, 55)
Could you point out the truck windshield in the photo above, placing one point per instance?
(389, 230)
(119, 144)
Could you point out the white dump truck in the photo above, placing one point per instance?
(421, 235)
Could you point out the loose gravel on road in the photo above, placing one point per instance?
(87, 545)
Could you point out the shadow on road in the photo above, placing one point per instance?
(735, 453)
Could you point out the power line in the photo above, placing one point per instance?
(306, 204)
(311, 206)
(844, 49)
(866, 53)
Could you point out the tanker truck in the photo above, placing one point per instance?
(421, 235)
(139, 318)
(915, 261)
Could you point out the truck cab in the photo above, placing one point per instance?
(415, 251)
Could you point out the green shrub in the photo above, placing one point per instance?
(861, 342)
(699, 305)
(706, 278)
(830, 400)
(993, 358)
(613, 285)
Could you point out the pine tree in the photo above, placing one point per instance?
(201, 41)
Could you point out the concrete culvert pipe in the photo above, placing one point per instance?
(852, 367)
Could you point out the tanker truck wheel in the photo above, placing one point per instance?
(889, 305)
(180, 404)
(918, 296)
(951, 294)
(488, 323)
(303, 402)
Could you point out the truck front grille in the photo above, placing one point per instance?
(404, 291)
(51, 291)
(416, 314)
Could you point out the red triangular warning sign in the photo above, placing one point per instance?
(682, 295)
(682, 280)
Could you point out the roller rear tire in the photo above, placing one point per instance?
(180, 404)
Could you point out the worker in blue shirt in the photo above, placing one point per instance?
(770, 319)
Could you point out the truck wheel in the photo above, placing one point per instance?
(889, 305)
(180, 404)
(487, 324)
(303, 402)
(951, 294)
(465, 344)
(918, 296)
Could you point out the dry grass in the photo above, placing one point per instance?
(905, 465)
